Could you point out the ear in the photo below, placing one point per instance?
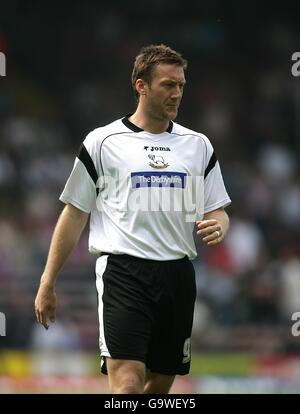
(141, 87)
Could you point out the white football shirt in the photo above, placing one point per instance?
(144, 191)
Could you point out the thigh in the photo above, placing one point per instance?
(158, 383)
(169, 350)
(125, 376)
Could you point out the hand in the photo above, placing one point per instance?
(211, 231)
(45, 304)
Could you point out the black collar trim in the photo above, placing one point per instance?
(170, 127)
(135, 128)
(130, 125)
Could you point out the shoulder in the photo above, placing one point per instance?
(98, 135)
(194, 135)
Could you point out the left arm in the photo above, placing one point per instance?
(213, 227)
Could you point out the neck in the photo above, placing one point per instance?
(148, 122)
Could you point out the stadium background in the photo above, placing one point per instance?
(68, 71)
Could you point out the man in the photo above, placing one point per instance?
(145, 280)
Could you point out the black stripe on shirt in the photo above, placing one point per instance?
(211, 164)
(87, 161)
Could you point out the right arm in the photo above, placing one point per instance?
(66, 235)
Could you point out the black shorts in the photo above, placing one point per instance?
(146, 311)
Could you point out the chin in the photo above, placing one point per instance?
(171, 115)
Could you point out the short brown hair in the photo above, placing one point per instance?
(149, 57)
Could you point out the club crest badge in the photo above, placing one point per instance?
(157, 161)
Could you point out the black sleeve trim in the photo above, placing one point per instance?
(87, 161)
(211, 164)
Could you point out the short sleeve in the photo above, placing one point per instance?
(81, 187)
(215, 194)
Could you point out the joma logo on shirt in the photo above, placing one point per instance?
(147, 147)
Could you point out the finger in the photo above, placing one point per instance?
(44, 320)
(37, 314)
(213, 237)
(206, 223)
(52, 315)
(217, 234)
(214, 242)
(209, 230)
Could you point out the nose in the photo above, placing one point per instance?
(177, 92)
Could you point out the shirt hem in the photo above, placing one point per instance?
(75, 203)
(223, 203)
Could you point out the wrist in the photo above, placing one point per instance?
(47, 281)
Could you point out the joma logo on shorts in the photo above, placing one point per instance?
(146, 148)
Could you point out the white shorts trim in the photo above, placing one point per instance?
(101, 265)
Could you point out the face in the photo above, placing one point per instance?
(163, 95)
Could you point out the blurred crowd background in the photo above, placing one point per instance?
(68, 72)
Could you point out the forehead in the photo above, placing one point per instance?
(168, 71)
